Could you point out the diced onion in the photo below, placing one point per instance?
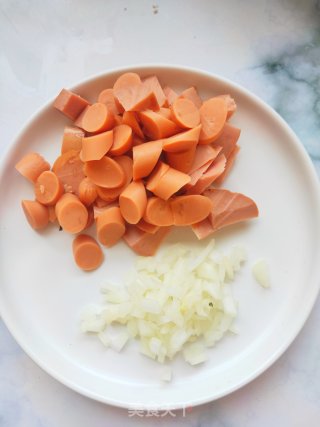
(178, 301)
(260, 272)
(195, 353)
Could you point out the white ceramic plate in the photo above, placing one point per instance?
(42, 292)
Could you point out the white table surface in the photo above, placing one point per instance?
(271, 47)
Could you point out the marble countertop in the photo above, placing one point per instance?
(271, 47)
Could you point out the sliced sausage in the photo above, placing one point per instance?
(110, 226)
(31, 166)
(37, 215)
(143, 243)
(183, 141)
(188, 210)
(133, 202)
(96, 146)
(86, 252)
(48, 188)
(72, 215)
(213, 114)
(97, 118)
(192, 94)
(69, 169)
(185, 114)
(229, 208)
(228, 139)
(156, 126)
(145, 157)
(228, 166)
(72, 139)
(158, 212)
(70, 104)
(209, 176)
(111, 194)
(105, 172)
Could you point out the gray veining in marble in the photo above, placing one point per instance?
(294, 74)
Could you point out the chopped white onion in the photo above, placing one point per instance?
(178, 301)
(104, 339)
(91, 319)
(117, 337)
(195, 353)
(260, 272)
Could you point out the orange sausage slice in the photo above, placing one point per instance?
(105, 172)
(37, 215)
(72, 215)
(185, 114)
(72, 139)
(192, 94)
(228, 167)
(137, 97)
(118, 120)
(169, 183)
(148, 228)
(137, 141)
(157, 126)
(228, 139)
(90, 218)
(158, 212)
(110, 226)
(31, 166)
(183, 160)
(204, 154)
(130, 119)
(125, 80)
(143, 243)
(213, 114)
(70, 104)
(187, 210)
(100, 203)
(202, 229)
(165, 112)
(152, 83)
(106, 97)
(183, 141)
(48, 188)
(69, 169)
(87, 192)
(79, 121)
(52, 214)
(170, 94)
(122, 140)
(196, 175)
(86, 252)
(231, 104)
(156, 175)
(145, 157)
(209, 176)
(96, 146)
(230, 208)
(111, 194)
(97, 118)
(133, 202)
(97, 210)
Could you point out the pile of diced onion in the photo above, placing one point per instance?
(178, 301)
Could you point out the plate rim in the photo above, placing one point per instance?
(307, 307)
